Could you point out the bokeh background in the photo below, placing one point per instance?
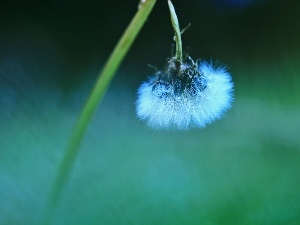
(242, 169)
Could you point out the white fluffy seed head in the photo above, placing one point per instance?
(162, 107)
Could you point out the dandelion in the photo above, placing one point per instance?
(187, 94)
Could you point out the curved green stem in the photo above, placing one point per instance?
(177, 31)
(94, 99)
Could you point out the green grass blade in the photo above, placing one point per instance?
(93, 101)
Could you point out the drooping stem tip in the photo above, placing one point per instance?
(177, 31)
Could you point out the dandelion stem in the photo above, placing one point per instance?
(177, 31)
(93, 101)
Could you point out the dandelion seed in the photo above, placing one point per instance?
(188, 94)
(194, 100)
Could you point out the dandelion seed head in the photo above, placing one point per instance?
(187, 95)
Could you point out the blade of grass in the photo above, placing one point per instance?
(93, 101)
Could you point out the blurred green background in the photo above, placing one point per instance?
(242, 169)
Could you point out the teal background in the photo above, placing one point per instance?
(242, 169)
